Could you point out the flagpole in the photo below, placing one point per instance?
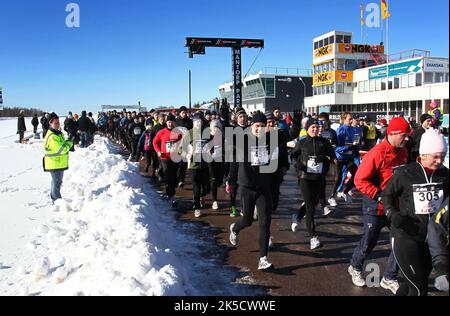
(387, 66)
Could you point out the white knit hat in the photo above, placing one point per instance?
(432, 142)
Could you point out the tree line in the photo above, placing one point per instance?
(13, 112)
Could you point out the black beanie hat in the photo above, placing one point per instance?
(425, 117)
(170, 117)
(259, 118)
(182, 108)
(311, 122)
(52, 116)
(198, 116)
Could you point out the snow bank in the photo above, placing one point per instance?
(110, 235)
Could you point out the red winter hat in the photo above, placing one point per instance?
(398, 125)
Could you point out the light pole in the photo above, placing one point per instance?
(304, 93)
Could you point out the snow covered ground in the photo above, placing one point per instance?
(111, 235)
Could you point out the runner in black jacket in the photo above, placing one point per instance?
(420, 188)
(254, 177)
(438, 239)
(313, 154)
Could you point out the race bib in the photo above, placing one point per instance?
(171, 146)
(312, 166)
(259, 156)
(356, 139)
(427, 197)
(137, 131)
(198, 146)
(275, 154)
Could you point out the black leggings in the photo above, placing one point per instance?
(311, 192)
(275, 184)
(181, 174)
(200, 185)
(170, 176)
(263, 201)
(414, 260)
(216, 175)
(352, 168)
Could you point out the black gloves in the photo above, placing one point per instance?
(397, 219)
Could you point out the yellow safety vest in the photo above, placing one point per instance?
(56, 152)
(303, 133)
(441, 114)
(371, 132)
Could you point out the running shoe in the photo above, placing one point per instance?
(233, 212)
(357, 277)
(197, 213)
(215, 205)
(233, 236)
(315, 243)
(271, 245)
(295, 222)
(391, 285)
(326, 210)
(332, 202)
(264, 263)
(255, 214)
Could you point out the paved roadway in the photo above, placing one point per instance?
(298, 270)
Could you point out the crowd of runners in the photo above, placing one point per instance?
(396, 166)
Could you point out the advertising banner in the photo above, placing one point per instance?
(325, 50)
(237, 77)
(403, 68)
(433, 65)
(358, 48)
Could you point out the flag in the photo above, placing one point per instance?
(362, 14)
(384, 10)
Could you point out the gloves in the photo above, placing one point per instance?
(397, 219)
(441, 283)
(228, 187)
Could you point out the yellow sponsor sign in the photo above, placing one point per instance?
(325, 50)
(357, 48)
(323, 78)
(329, 77)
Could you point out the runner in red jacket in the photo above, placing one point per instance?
(373, 174)
(166, 143)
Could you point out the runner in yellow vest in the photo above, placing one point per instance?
(437, 113)
(56, 158)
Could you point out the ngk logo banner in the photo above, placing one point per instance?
(323, 78)
(323, 51)
(357, 48)
(331, 76)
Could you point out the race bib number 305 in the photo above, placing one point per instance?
(427, 197)
(259, 156)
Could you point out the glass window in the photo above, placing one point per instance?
(269, 86)
(396, 82)
(340, 65)
(438, 77)
(360, 86)
(446, 77)
(383, 84)
(404, 81)
(331, 40)
(339, 87)
(428, 77)
(321, 43)
(339, 39)
(371, 85)
(411, 80)
(418, 79)
(316, 45)
(390, 81)
(378, 85)
(347, 39)
(325, 41)
(366, 86)
(332, 88)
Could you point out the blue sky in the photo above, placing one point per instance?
(133, 50)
